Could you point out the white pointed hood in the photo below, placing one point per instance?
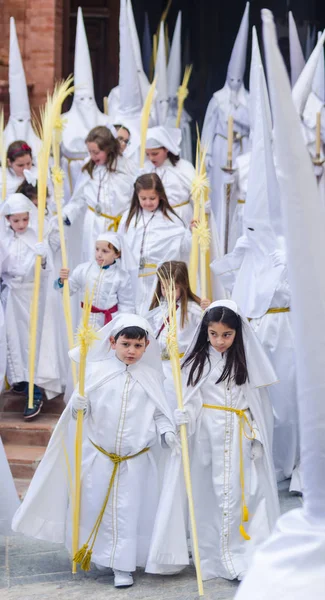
(237, 63)
(290, 564)
(143, 79)
(84, 113)
(303, 86)
(19, 126)
(161, 74)
(174, 69)
(130, 95)
(254, 74)
(297, 61)
(318, 86)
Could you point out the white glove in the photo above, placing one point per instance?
(181, 416)
(40, 249)
(173, 442)
(257, 450)
(278, 258)
(79, 402)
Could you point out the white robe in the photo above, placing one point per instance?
(165, 239)
(3, 340)
(177, 182)
(136, 413)
(111, 190)
(214, 137)
(9, 501)
(18, 276)
(238, 198)
(216, 473)
(111, 286)
(184, 337)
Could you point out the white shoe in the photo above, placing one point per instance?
(122, 578)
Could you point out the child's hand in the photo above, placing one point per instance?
(193, 224)
(64, 274)
(205, 303)
(40, 249)
(173, 442)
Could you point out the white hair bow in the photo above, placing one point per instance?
(30, 177)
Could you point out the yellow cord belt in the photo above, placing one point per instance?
(167, 357)
(115, 220)
(241, 414)
(181, 204)
(273, 311)
(83, 556)
(148, 266)
(240, 201)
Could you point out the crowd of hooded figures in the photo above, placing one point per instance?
(129, 235)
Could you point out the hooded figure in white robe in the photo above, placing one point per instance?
(255, 272)
(3, 342)
(136, 415)
(18, 277)
(232, 99)
(174, 80)
(19, 126)
(83, 115)
(178, 178)
(221, 486)
(290, 565)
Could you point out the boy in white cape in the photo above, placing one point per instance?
(126, 412)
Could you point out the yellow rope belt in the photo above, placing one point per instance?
(274, 311)
(181, 204)
(116, 220)
(241, 414)
(148, 266)
(240, 201)
(165, 357)
(83, 556)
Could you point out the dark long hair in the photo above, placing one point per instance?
(149, 181)
(106, 142)
(235, 367)
(177, 271)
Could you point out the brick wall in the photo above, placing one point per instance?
(39, 30)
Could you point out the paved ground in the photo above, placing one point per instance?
(32, 570)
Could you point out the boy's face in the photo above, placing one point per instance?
(127, 350)
(104, 254)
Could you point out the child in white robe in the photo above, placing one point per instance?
(107, 277)
(126, 412)
(188, 316)
(154, 233)
(19, 158)
(19, 237)
(102, 193)
(177, 174)
(234, 485)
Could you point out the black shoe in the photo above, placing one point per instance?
(30, 413)
(19, 388)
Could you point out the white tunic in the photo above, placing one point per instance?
(177, 182)
(111, 286)
(215, 467)
(18, 276)
(184, 337)
(214, 137)
(110, 192)
(163, 239)
(9, 501)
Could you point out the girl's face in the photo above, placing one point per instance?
(19, 222)
(149, 200)
(157, 156)
(177, 290)
(20, 164)
(98, 156)
(104, 254)
(221, 336)
(123, 137)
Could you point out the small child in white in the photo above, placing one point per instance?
(126, 412)
(109, 275)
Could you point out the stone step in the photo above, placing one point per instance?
(16, 403)
(22, 486)
(37, 432)
(23, 460)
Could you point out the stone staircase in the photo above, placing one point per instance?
(25, 441)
